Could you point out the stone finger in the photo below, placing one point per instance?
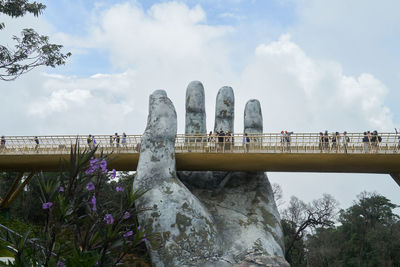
(195, 122)
(225, 110)
(253, 120)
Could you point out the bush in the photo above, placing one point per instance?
(82, 227)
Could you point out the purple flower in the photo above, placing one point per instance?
(93, 201)
(93, 161)
(103, 165)
(60, 264)
(128, 234)
(109, 219)
(47, 205)
(90, 186)
(119, 189)
(144, 239)
(127, 215)
(114, 173)
(139, 227)
(89, 171)
(61, 189)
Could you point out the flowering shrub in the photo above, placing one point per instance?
(83, 227)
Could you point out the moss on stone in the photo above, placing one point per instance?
(183, 221)
(168, 190)
(268, 217)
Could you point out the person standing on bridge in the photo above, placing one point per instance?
(124, 139)
(246, 141)
(117, 139)
(365, 141)
(321, 142)
(288, 139)
(111, 141)
(333, 140)
(3, 143)
(346, 141)
(211, 141)
(326, 141)
(282, 141)
(90, 141)
(36, 140)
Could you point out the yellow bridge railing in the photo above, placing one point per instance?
(352, 143)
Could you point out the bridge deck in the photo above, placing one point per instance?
(284, 162)
(262, 152)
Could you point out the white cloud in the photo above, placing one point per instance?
(309, 93)
(59, 101)
(167, 46)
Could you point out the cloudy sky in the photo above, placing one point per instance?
(314, 65)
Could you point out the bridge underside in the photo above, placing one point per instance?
(276, 162)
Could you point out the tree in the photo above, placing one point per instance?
(31, 49)
(368, 235)
(301, 216)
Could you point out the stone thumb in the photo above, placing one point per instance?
(157, 151)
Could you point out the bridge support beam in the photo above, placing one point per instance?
(396, 177)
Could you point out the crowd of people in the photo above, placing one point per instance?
(220, 141)
(335, 141)
(115, 140)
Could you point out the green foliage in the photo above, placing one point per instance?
(31, 49)
(296, 257)
(87, 222)
(368, 234)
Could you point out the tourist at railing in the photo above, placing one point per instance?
(89, 140)
(282, 140)
(3, 143)
(124, 139)
(375, 140)
(246, 142)
(321, 142)
(333, 140)
(211, 142)
(346, 141)
(326, 141)
(366, 141)
(338, 137)
(288, 139)
(117, 139)
(111, 141)
(36, 140)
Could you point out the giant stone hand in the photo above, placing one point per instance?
(205, 218)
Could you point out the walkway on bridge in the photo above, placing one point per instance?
(300, 152)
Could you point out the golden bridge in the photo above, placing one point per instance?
(299, 152)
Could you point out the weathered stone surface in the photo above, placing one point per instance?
(253, 121)
(258, 260)
(225, 110)
(195, 109)
(186, 229)
(241, 203)
(226, 218)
